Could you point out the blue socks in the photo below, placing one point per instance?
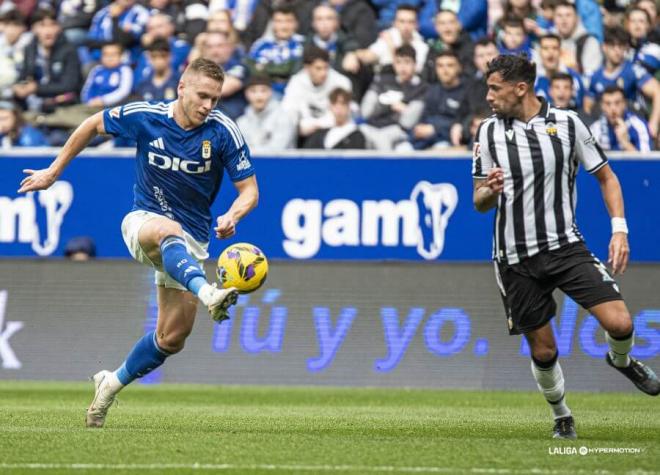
(180, 265)
(145, 357)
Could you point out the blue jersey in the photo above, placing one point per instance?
(112, 85)
(179, 172)
(629, 77)
(542, 87)
(638, 133)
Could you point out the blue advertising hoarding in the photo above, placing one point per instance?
(330, 207)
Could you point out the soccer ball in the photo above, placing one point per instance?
(243, 266)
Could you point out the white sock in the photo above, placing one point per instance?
(205, 293)
(619, 349)
(551, 383)
(113, 382)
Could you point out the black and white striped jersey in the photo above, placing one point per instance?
(540, 159)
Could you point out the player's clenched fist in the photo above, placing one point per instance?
(37, 180)
(226, 227)
(495, 180)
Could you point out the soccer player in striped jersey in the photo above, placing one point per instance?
(183, 147)
(525, 161)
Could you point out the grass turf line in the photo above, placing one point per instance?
(244, 429)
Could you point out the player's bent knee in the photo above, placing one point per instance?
(620, 326)
(173, 342)
(544, 354)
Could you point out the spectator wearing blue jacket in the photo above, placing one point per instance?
(619, 129)
(162, 81)
(122, 21)
(14, 132)
(473, 15)
(161, 25)
(110, 82)
(279, 56)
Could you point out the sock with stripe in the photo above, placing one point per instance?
(550, 380)
(145, 357)
(183, 267)
(620, 347)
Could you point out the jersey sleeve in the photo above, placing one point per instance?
(236, 155)
(123, 121)
(641, 76)
(588, 150)
(482, 162)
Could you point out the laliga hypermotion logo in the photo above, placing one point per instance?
(419, 222)
(36, 218)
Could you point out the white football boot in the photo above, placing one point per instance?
(104, 396)
(220, 301)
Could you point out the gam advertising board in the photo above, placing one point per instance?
(357, 324)
(329, 208)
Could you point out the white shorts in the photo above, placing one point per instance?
(130, 230)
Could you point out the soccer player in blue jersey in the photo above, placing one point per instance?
(182, 149)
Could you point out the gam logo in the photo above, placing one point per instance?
(419, 222)
(36, 218)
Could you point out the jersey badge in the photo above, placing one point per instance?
(206, 149)
(114, 112)
(551, 128)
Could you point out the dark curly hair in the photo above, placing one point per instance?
(513, 68)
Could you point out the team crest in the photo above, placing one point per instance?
(114, 112)
(206, 149)
(551, 128)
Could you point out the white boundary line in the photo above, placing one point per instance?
(300, 468)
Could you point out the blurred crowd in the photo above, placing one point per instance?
(387, 75)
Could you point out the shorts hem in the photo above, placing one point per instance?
(609, 298)
(522, 331)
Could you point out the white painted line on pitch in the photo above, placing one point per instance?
(299, 468)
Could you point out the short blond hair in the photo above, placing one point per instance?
(208, 68)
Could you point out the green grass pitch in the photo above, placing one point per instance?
(266, 430)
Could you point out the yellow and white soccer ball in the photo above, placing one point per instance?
(243, 266)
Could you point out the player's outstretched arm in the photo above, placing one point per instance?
(246, 201)
(42, 179)
(619, 251)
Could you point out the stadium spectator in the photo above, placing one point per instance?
(75, 17)
(50, 75)
(279, 56)
(160, 25)
(580, 50)
(514, 39)
(485, 51)
(162, 81)
(387, 10)
(618, 128)
(344, 134)
(549, 53)
(109, 83)
(327, 35)
(645, 46)
(357, 19)
(545, 18)
(633, 79)
(525, 12)
(241, 11)
(221, 21)
(394, 103)
(122, 21)
(265, 125)
(472, 14)
(450, 37)
(443, 105)
(80, 249)
(263, 16)
(469, 132)
(221, 49)
(403, 31)
(306, 97)
(14, 132)
(651, 8)
(560, 92)
(14, 38)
